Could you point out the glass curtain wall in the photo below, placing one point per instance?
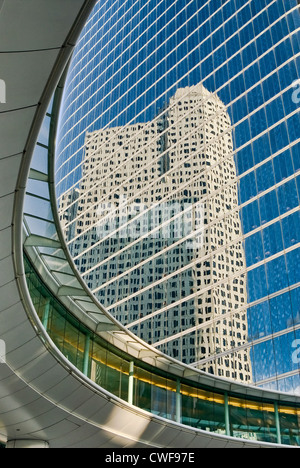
(177, 177)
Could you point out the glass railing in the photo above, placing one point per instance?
(77, 326)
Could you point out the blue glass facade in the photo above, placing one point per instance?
(131, 59)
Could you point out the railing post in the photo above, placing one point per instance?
(131, 382)
(227, 417)
(277, 421)
(178, 401)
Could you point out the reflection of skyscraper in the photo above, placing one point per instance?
(156, 206)
(130, 61)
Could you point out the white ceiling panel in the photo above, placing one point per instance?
(5, 242)
(10, 318)
(14, 130)
(152, 431)
(24, 353)
(20, 417)
(7, 273)
(89, 407)
(60, 429)
(24, 397)
(25, 75)
(45, 378)
(166, 437)
(55, 375)
(10, 383)
(9, 170)
(47, 419)
(22, 23)
(88, 437)
(6, 208)
(67, 389)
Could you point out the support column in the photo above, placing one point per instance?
(178, 402)
(227, 418)
(86, 355)
(27, 444)
(277, 421)
(130, 383)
